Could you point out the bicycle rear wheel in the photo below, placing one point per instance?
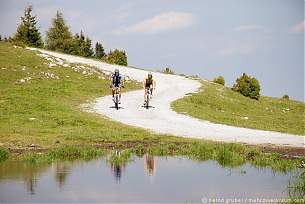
(147, 101)
(116, 102)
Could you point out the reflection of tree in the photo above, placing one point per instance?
(149, 164)
(27, 172)
(62, 170)
(31, 184)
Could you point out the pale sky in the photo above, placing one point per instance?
(264, 38)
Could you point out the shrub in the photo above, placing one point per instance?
(117, 57)
(286, 97)
(219, 80)
(19, 43)
(168, 70)
(247, 86)
(3, 154)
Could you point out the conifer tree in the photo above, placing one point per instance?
(99, 50)
(27, 32)
(118, 57)
(59, 36)
(88, 49)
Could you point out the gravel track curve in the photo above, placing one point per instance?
(162, 119)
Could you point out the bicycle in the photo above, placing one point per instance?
(116, 99)
(147, 98)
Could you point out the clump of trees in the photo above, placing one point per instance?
(168, 70)
(286, 97)
(4, 39)
(81, 45)
(59, 38)
(99, 51)
(27, 32)
(219, 80)
(117, 57)
(247, 86)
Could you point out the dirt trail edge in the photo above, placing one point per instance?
(162, 119)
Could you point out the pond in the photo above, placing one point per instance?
(146, 179)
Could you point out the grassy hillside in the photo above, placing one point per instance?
(40, 107)
(44, 109)
(222, 105)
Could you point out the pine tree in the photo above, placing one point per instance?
(99, 50)
(88, 49)
(81, 45)
(59, 36)
(27, 32)
(117, 57)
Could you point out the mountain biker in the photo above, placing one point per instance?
(148, 83)
(116, 82)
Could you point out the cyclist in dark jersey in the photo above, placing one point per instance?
(149, 83)
(116, 82)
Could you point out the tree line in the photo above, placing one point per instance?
(59, 38)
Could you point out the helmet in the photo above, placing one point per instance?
(116, 71)
(149, 75)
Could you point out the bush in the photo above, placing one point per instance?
(117, 57)
(168, 70)
(247, 86)
(286, 97)
(3, 154)
(19, 44)
(219, 80)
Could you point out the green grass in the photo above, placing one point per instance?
(120, 158)
(59, 122)
(68, 153)
(296, 189)
(220, 104)
(69, 133)
(227, 155)
(55, 105)
(3, 154)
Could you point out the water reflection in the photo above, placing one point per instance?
(296, 187)
(31, 184)
(177, 180)
(150, 164)
(28, 173)
(117, 171)
(118, 162)
(62, 170)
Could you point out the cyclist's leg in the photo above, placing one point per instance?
(151, 89)
(119, 90)
(113, 89)
(145, 93)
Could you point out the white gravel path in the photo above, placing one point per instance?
(162, 119)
